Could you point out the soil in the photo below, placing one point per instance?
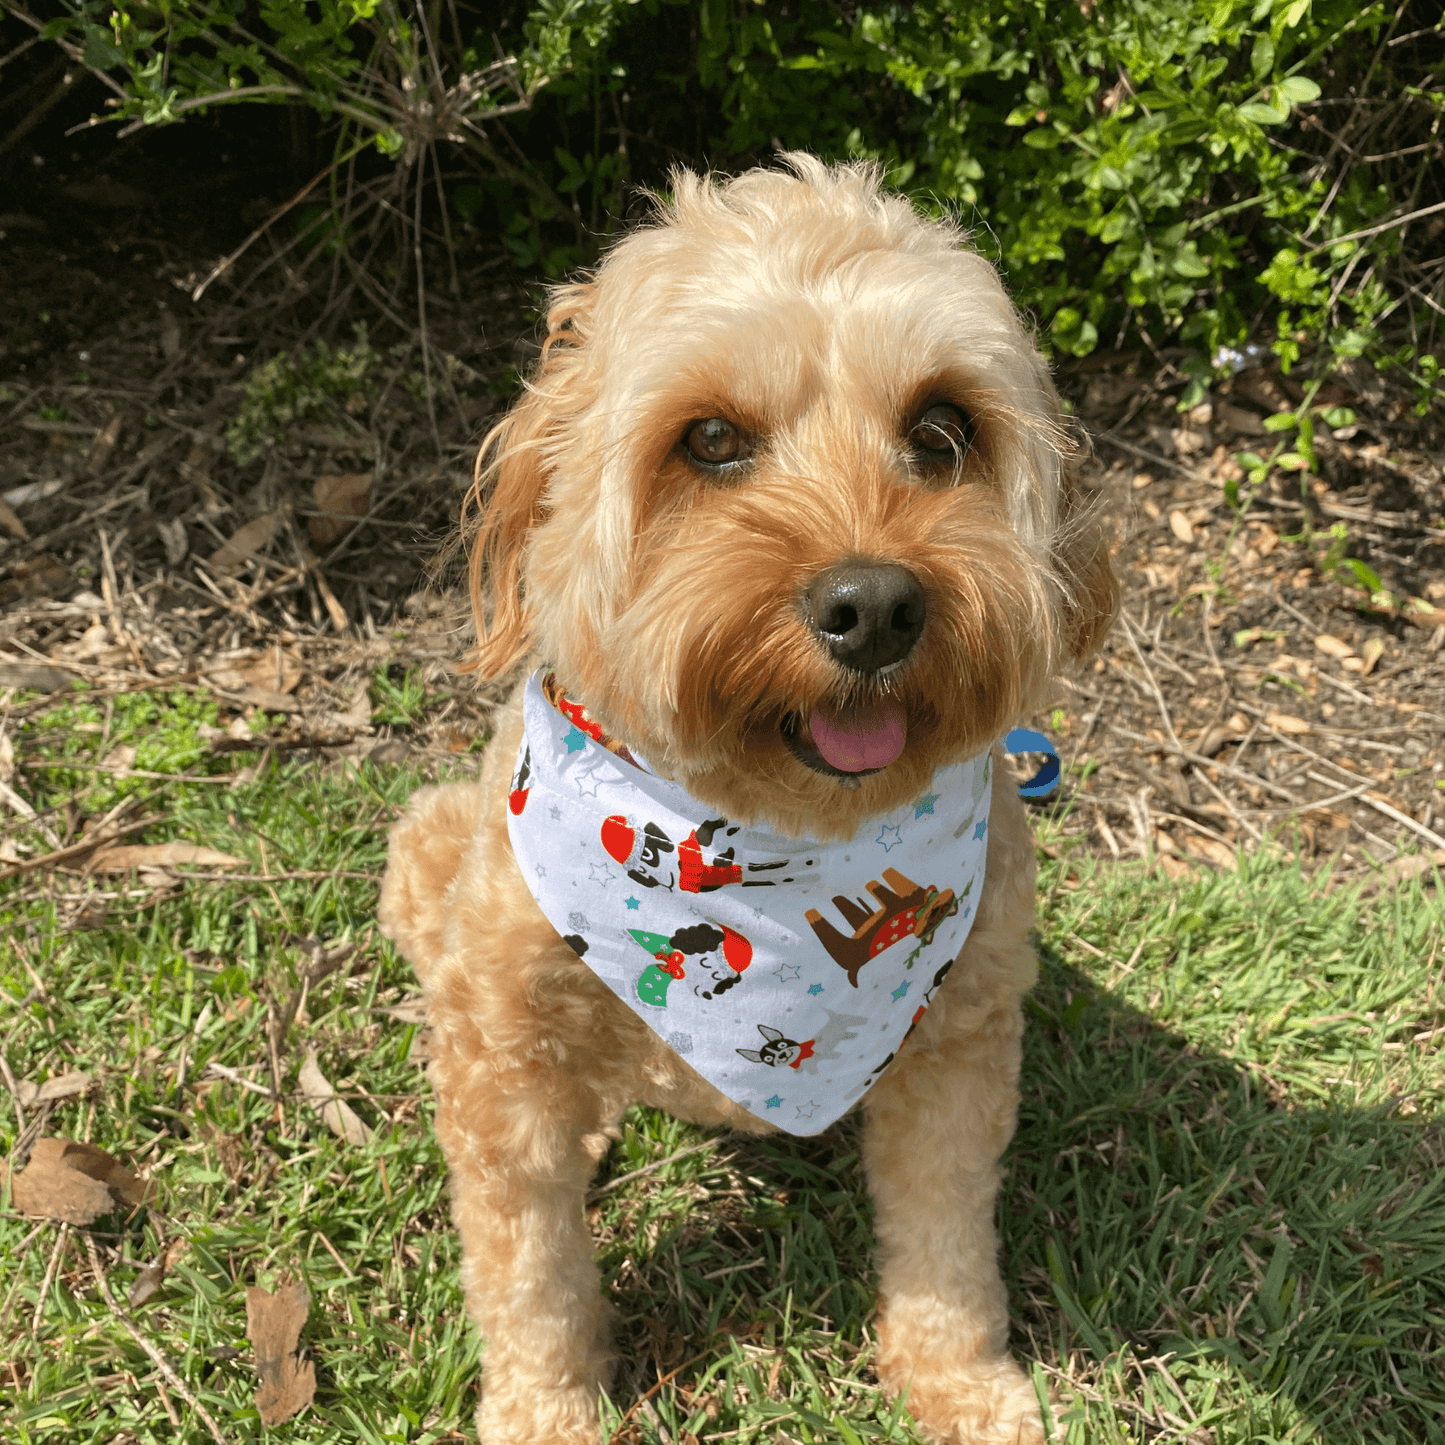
(1251, 690)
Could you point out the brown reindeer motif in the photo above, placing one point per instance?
(905, 910)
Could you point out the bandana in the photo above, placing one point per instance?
(786, 971)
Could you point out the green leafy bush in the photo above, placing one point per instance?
(1191, 172)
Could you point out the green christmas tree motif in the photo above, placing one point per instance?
(652, 986)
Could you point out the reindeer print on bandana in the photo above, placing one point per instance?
(789, 971)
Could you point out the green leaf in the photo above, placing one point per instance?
(1261, 58)
(1281, 421)
(1262, 114)
(1338, 416)
(1292, 462)
(1365, 576)
(1296, 90)
(1045, 138)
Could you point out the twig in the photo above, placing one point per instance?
(643, 1399)
(1154, 457)
(1200, 761)
(14, 1258)
(156, 1358)
(49, 1279)
(1153, 684)
(1376, 230)
(17, 804)
(1233, 811)
(89, 845)
(595, 1194)
(1380, 806)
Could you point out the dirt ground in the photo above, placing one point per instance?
(1245, 693)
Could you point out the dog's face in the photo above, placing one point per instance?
(787, 505)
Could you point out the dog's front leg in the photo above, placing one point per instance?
(522, 1141)
(937, 1123)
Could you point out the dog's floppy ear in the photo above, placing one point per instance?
(1081, 556)
(507, 499)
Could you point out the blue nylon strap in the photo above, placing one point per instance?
(1043, 782)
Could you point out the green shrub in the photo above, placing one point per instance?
(1191, 172)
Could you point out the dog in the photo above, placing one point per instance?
(787, 533)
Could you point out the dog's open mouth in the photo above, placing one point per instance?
(848, 742)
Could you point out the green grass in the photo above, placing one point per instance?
(1223, 1216)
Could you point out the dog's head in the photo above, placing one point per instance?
(788, 502)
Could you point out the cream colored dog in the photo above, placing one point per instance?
(787, 514)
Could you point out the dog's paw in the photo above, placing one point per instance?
(539, 1416)
(959, 1396)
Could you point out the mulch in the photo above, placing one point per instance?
(1250, 696)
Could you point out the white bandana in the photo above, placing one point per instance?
(786, 971)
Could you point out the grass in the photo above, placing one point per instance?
(1223, 1218)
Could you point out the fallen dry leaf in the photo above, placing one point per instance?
(273, 1321)
(1240, 421)
(246, 540)
(410, 1010)
(1266, 539)
(1284, 722)
(1209, 849)
(1180, 525)
(11, 522)
(125, 856)
(1173, 868)
(1370, 654)
(62, 1086)
(1234, 730)
(153, 1275)
(342, 499)
(105, 440)
(74, 1183)
(1412, 866)
(1333, 646)
(275, 671)
(338, 1115)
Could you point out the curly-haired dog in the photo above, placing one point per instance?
(786, 527)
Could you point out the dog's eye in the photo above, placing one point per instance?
(716, 442)
(943, 433)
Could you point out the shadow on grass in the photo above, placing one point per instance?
(1193, 1250)
(1165, 1200)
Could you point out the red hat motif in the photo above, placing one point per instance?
(618, 837)
(736, 949)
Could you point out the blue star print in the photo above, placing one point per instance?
(901, 989)
(633, 905)
(576, 739)
(981, 828)
(785, 972)
(889, 837)
(601, 873)
(924, 804)
(774, 1103)
(815, 988)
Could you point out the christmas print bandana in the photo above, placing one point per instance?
(787, 972)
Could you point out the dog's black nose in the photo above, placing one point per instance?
(867, 614)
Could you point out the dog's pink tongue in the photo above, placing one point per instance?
(855, 739)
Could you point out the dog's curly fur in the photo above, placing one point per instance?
(819, 316)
